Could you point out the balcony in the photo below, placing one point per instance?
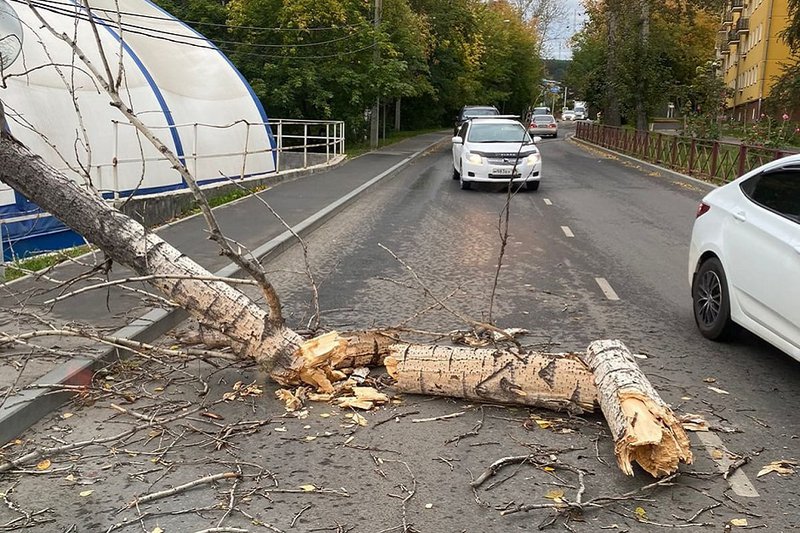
(725, 51)
(733, 37)
(737, 5)
(743, 25)
(727, 20)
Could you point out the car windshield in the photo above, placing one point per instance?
(469, 113)
(498, 133)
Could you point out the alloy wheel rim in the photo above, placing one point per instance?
(709, 298)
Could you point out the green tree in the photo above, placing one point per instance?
(785, 93)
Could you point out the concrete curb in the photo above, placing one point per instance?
(646, 164)
(24, 409)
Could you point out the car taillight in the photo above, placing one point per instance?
(702, 209)
(552, 125)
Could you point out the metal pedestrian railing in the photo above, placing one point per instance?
(715, 161)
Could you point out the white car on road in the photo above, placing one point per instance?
(496, 150)
(744, 257)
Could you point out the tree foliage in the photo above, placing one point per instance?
(650, 68)
(326, 59)
(785, 93)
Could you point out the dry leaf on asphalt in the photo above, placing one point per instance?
(640, 513)
(43, 465)
(739, 522)
(554, 494)
(308, 488)
(86, 493)
(783, 467)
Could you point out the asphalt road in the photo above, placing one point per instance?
(598, 252)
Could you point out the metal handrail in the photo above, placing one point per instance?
(715, 161)
(295, 136)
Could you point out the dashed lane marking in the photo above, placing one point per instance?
(547, 201)
(605, 286)
(738, 480)
(567, 231)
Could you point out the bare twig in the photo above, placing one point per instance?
(181, 488)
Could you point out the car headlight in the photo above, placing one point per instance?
(534, 158)
(474, 159)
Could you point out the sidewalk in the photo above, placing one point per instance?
(304, 203)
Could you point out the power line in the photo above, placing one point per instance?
(191, 22)
(204, 43)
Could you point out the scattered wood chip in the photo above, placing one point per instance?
(694, 422)
(718, 391)
(783, 467)
(291, 400)
(209, 414)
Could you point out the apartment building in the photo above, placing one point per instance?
(752, 52)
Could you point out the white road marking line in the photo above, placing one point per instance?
(605, 286)
(547, 201)
(567, 231)
(738, 481)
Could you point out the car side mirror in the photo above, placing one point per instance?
(458, 140)
(536, 139)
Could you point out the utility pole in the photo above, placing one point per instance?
(374, 129)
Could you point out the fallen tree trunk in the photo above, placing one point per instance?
(644, 428)
(127, 242)
(555, 381)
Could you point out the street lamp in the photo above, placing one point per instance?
(10, 35)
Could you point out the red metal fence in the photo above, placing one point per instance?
(715, 161)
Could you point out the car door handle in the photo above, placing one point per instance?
(740, 216)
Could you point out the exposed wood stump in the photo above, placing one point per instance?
(644, 428)
(561, 382)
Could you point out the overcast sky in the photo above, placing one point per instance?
(558, 44)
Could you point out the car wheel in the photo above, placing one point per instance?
(711, 301)
(532, 185)
(456, 173)
(465, 185)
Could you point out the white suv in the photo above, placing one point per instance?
(496, 150)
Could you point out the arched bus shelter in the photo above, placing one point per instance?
(176, 81)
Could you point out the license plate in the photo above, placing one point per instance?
(502, 171)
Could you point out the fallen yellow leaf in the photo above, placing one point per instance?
(308, 488)
(157, 530)
(544, 424)
(717, 454)
(67, 415)
(43, 465)
(554, 494)
(360, 420)
(739, 522)
(640, 513)
(86, 493)
(310, 438)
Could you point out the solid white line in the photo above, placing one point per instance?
(567, 231)
(547, 201)
(605, 286)
(738, 481)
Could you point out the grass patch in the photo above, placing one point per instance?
(21, 267)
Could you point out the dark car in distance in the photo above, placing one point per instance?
(471, 111)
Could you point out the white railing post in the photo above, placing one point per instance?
(194, 150)
(280, 146)
(305, 145)
(246, 145)
(327, 142)
(115, 162)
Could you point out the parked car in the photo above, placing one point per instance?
(470, 111)
(744, 257)
(544, 125)
(568, 114)
(496, 150)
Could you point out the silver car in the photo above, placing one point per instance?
(543, 125)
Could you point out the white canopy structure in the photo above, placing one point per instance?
(174, 79)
